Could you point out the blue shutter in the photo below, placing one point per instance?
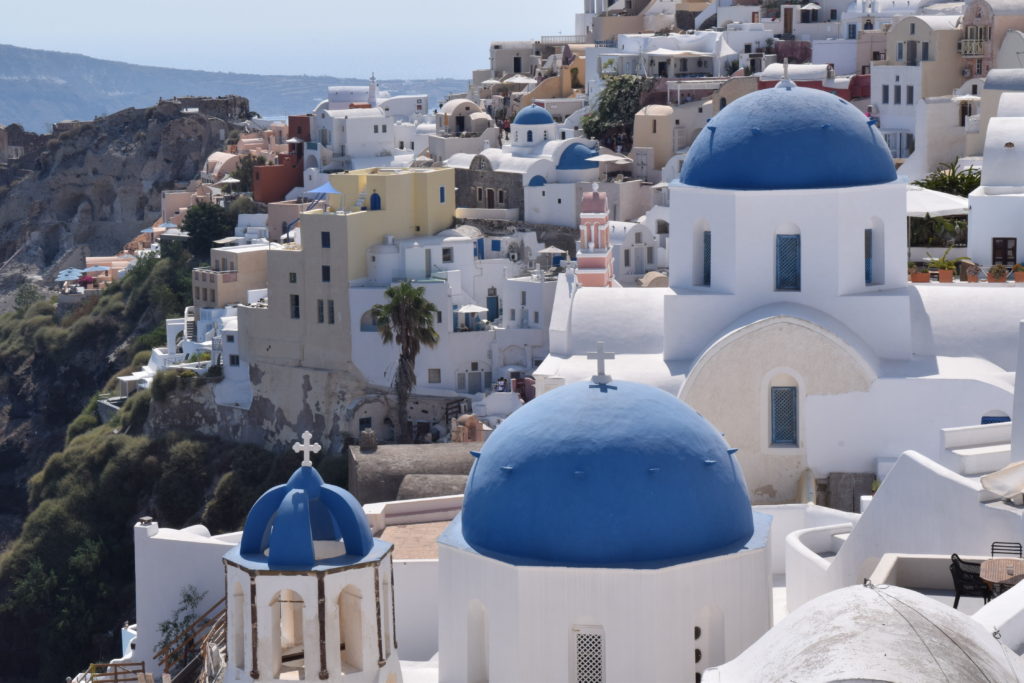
(994, 419)
(495, 245)
(868, 276)
(707, 259)
(784, 419)
(787, 262)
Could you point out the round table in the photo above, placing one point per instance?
(1002, 570)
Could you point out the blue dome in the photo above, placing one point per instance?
(576, 157)
(533, 116)
(622, 475)
(287, 521)
(788, 138)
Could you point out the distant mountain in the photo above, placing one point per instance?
(40, 87)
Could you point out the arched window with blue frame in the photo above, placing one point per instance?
(374, 202)
(529, 136)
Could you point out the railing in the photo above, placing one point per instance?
(127, 672)
(563, 40)
(971, 47)
(186, 646)
(216, 276)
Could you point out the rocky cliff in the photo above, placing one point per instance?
(95, 185)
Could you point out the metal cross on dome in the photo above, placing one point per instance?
(306, 448)
(600, 356)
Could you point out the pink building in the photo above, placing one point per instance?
(594, 252)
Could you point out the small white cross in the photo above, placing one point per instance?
(600, 356)
(306, 448)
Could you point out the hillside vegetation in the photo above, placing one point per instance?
(66, 581)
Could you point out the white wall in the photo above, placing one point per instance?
(842, 54)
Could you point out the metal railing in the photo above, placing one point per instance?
(187, 645)
(112, 672)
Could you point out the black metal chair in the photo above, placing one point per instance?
(1010, 548)
(967, 580)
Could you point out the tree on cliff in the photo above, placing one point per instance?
(407, 319)
(205, 223)
(617, 104)
(244, 172)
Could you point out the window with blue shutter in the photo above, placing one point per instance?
(707, 259)
(787, 262)
(994, 419)
(784, 418)
(868, 276)
(495, 245)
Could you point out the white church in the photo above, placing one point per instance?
(788, 321)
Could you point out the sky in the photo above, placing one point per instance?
(393, 38)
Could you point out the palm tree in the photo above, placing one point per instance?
(408, 320)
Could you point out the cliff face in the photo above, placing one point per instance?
(95, 185)
(88, 189)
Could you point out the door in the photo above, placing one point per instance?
(787, 20)
(460, 124)
(490, 199)
(517, 65)
(912, 53)
(1004, 250)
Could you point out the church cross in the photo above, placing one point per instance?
(306, 448)
(600, 356)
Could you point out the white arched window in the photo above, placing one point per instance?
(350, 611)
(477, 665)
(286, 637)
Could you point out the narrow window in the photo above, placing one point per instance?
(522, 298)
(529, 136)
(910, 95)
(325, 273)
(897, 95)
(536, 317)
(899, 52)
(625, 257)
(924, 52)
(320, 310)
(233, 359)
(706, 275)
(868, 249)
(784, 417)
(325, 239)
(294, 300)
(434, 376)
(447, 255)
(439, 317)
(787, 263)
(441, 189)
(293, 278)
(376, 128)
(330, 311)
(588, 648)
(885, 94)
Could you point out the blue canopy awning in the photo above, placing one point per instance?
(326, 188)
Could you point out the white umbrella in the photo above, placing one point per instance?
(294, 141)
(921, 201)
(227, 181)
(606, 157)
(471, 308)
(552, 250)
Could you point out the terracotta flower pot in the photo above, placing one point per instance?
(945, 275)
(920, 277)
(997, 278)
(972, 277)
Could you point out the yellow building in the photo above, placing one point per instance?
(306, 319)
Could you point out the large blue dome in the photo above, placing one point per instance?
(533, 115)
(788, 138)
(620, 475)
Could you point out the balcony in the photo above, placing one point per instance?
(214, 276)
(971, 47)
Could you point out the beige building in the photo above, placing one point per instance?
(985, 25)
(305, 321)
(921, 61)
(232, 273)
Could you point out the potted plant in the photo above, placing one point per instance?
(945, 266)
(1017, 273)
(970, 270)
(919, 273)
(997, 273)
